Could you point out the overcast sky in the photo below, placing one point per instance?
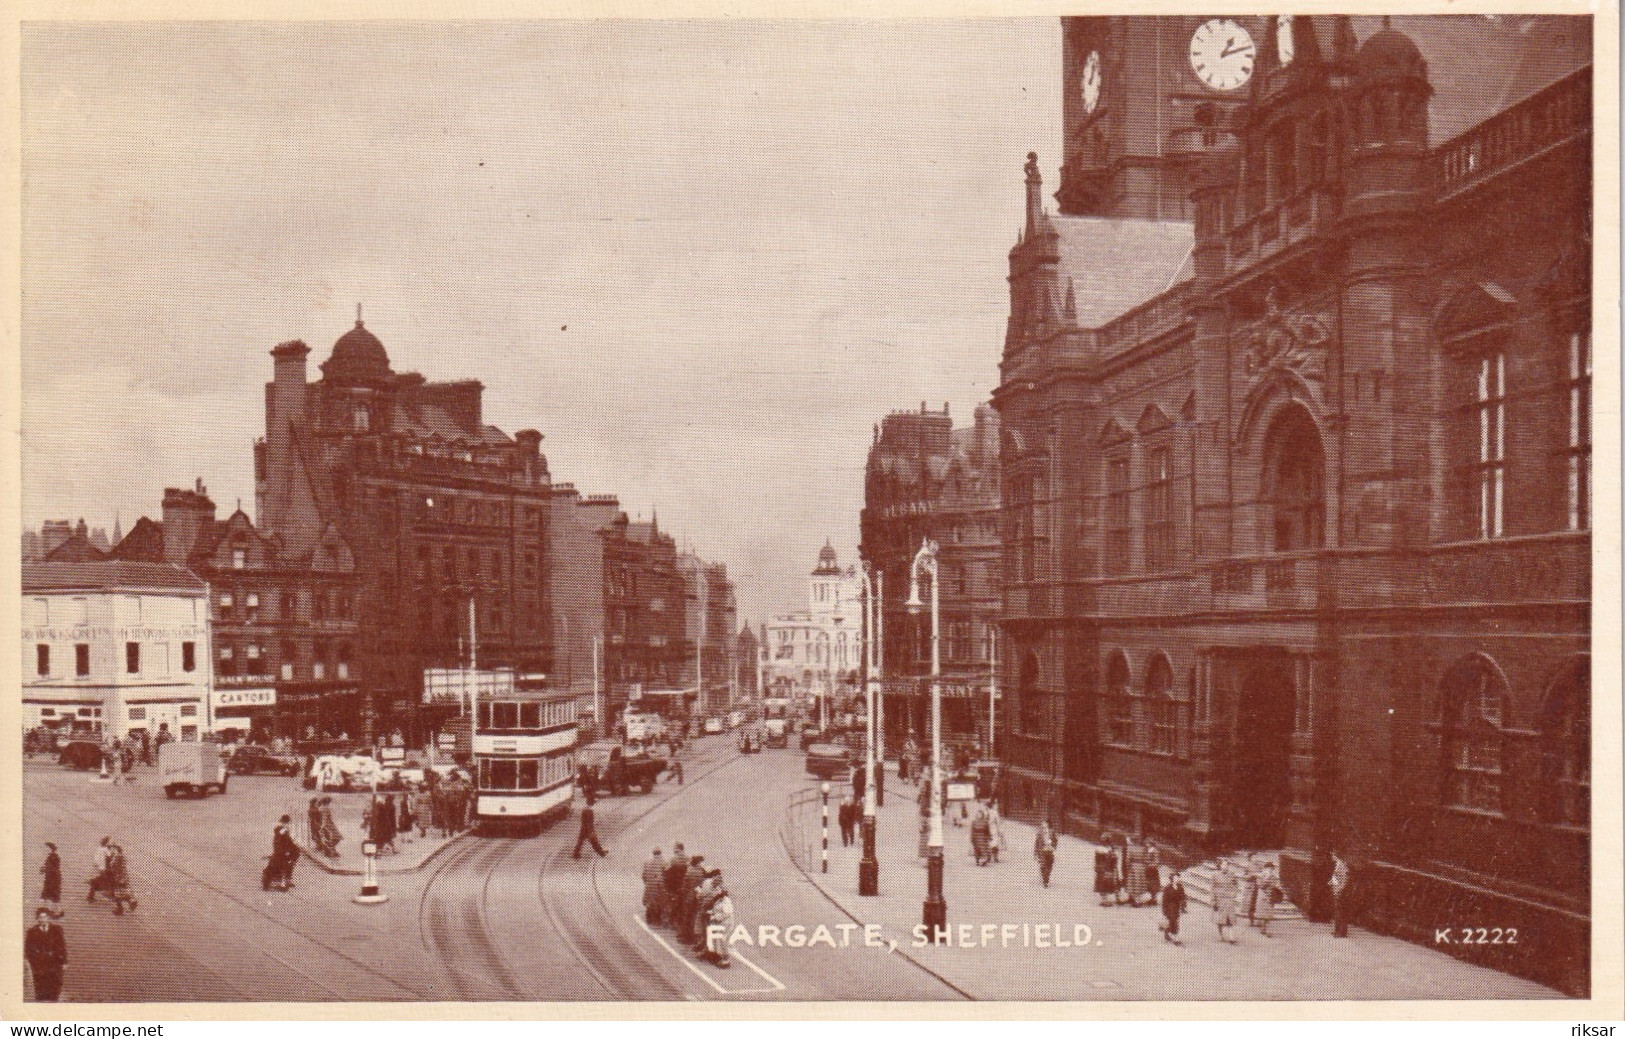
(703, 258)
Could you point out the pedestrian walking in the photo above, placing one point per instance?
(1269, 896)
(278, 872)
(1339, 884)
(1044, 850)
(99, 882)
(1247, 899)
(849, 822)
(588, 833)
(51, 886)
(45, 948)
(1153, 870)
(1224, 901)
(980, 838)
(330, 829)
(386, 823)
(117, 880)
(1134, 876)
(423, 810)
(1173, 907)
(719, 924)
(654, 888)
(675, 767)
(403, 816)
(1106, 875)
(995, 828)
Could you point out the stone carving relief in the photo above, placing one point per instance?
(1289, 342)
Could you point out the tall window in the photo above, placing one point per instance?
(1159, 695)
(1117, 516)
(132, 658)
(1579, 453)
(1473, 703)
(1295, 482)
(1119, 702)
(81, 659)
(1033, 714)
(188, 656)
(1565, 730)
(1490, 410)
(1159, 512)
(42, 660)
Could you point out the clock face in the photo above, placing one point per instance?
(1283, 39)
(1222, 54)
(1090, 84)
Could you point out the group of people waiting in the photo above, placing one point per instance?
(445, 806)
(689, 896)
(1127, 871)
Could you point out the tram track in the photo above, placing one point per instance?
(454, 920)
(315, 980)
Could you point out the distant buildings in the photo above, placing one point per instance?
(815, 655)
(112, 648)
(927, 480)
(711, 616)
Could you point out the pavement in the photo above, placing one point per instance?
(1111, 953)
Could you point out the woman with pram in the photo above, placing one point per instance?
(114, 878)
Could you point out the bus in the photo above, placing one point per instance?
(524, 759)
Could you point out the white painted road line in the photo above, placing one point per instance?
(778, 986)
(679, 957)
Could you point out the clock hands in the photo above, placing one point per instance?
(1230, 48)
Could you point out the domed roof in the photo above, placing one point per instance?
(1390, 52)
(826, 560)
(357, 355)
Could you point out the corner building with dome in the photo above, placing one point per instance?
(1296, 464)
(438, 508)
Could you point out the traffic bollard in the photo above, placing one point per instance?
(825, 791)
(370, 895)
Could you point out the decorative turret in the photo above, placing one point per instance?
(1388, 126)
(358, 357)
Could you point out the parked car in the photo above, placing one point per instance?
(256, 760)
(830, 761)
(82, 754)
(713, 726)
(811, 735)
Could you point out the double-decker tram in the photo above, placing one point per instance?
(524, 759)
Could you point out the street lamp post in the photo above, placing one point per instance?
(869, 865)
(935, 916)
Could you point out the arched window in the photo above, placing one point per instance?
(1472, 708)
(1119, 701)
(1159, 694)
(1295, 482)
(1565, 730)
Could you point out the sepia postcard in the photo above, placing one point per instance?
(837, 516)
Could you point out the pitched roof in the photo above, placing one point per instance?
(108, 574)
(428, 420)
(1116, 265)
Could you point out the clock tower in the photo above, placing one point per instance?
(1143, 98)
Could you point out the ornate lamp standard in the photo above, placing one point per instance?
(936, 907)
(869, 865)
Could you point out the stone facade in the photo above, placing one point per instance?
(1297, 494)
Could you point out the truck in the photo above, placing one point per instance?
(609, 766)
(192, 768)
(776, 721)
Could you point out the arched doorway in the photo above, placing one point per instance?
(1262, 788)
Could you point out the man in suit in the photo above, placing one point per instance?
(46, 950)
(588, 833)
